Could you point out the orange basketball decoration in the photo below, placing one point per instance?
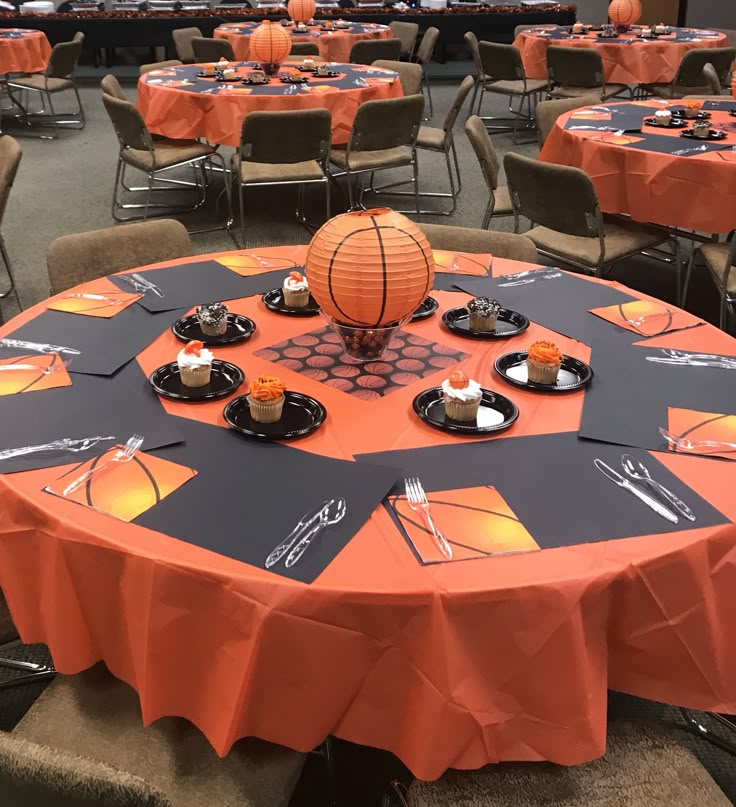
(369, 268)
(269, 43)
(624, 12)
(301, 10)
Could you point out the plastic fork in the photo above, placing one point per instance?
(695, 445)
(122, 455)
(65, 444)
(52, 368)
(418, 502)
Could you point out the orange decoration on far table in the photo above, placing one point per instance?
(301, 10)
(624, 12)
(270, 44)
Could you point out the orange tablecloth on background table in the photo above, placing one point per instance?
(173, 105)
(696, 192)
(23, 50)
(640, 62)
(451, 665)
(334, 46)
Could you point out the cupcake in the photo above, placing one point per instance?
(195, 364)
(329, 25)
(543, 362)
(266, 398)
(300, 26)
(212, 319)
(660, 28)
(308, 63)
(296, 290)
(295, 75)
(578, 28)
(223, 64)
(663, 117)
(462, 396)
(341, 23)
(692, 109)
(645, 32)
(208, 69)
(483, 313)
(701, 128)
(230, 73)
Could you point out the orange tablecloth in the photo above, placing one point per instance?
(628, 60)
(177, 104)
(696, 192)
(334, 46)
(23, 50)
(451, 665)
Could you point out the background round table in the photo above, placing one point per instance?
(334, 45)
(23, 50)
(177, 104)
(627, 59)
(637, 174)
(503, 658)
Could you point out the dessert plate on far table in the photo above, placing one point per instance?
(274, 300)
(714, 134)
(426, 309)
(224, 380)
(509, 323)
(674, 123)
(301, 416)
(495, 414)
(239, 328)
(574, 374)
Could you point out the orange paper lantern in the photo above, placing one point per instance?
(301, 10)
(369, 268)
(270, 44)
(624, 12)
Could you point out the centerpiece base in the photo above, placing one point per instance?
(364, 344)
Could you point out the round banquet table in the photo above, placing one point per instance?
(626, 59)
(23, 50)
(176, 103)
(638, 174)
(334, 44)
(505, 658)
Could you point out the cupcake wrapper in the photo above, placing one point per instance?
(479, 322)
(266, 411)
(195, 376)
(542, 373)
(296, 299)
(461, 410)
(213, 330)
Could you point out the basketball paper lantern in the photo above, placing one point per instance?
(301, 10)
(270, 44)
(370, 268)
(624, 12)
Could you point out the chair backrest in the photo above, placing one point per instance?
(111, 86)
(147, 68)
(711, 79)
(367, 51)
(410, 74)
(690, 71)
(183, 43)
(466, 85)
(386, 124)
(36, 774)
(407, 32)
(558, 197)
(467, 239)
(547, 112)
(574, 67)
(75, 259)
(63, 60)
(484, 150)
(10, 154)
(425, 51)
(304, 49)
(79, 37)
(128, 123)
(206, 49)
(501, 62)
(293, 136)
(471, 42)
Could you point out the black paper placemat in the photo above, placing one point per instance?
(627, 401)
(248, 496)
(560, 303)
(550, 483)
(119, 406)
(678, 146)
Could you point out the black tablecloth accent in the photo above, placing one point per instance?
(678, 146)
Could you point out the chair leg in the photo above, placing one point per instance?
(488, 213)
(116, 188)
(688, 275)
(425, 81)
(13, 288)
(415, 167)
(242, 216)
(53, 116)
(474, 96)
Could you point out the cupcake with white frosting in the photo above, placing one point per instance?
(195, 364)
(296, 290)
(462, 396)
(663, 117)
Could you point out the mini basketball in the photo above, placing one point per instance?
(624, 12)
(269, 43)
(301, 10)
(369, 268)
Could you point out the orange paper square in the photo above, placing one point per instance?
(590, 114)
(647, 317)
(476, 522)
(72, 303)
(696, 426)
(247, 264)
(461, 263)
(28, 374)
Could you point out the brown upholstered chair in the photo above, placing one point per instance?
(270, 154)
(79, 258)
(367, 51)
(720, 260)
(183, 43)
(147, 68)
(567, 223)
(503, 74)
(208, 49)
(689, 79)
(384, 135)
(574, 72)
(423, 56)
(154, 157)
(83, 744)
(10, 154)
(547, 112)
(466, 239)
(111, 86)
(624, 776)
(410, 74)
(304, 49)
(407, 32)
(473, 46)
(499, 201)
(710, 74)
(58, 77)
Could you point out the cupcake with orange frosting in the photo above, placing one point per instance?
(295, 75)
(266, 398)
(462, 396)
(692, 109)
(195, 364)
(543, 362)
(296, 290)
